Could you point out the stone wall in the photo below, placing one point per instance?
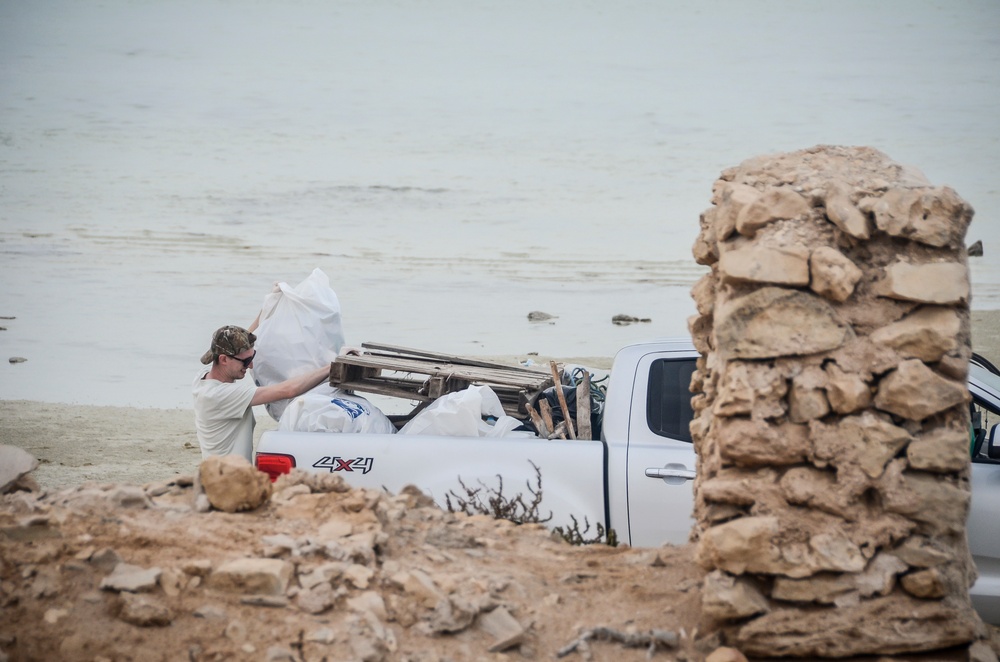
(831, 413)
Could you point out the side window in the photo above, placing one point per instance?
(668, 400)
(984, 417)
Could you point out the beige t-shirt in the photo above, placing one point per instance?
(223, 417)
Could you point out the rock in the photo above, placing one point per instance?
(129, 496)
(846, 216)
(935, 217)
(16, 359)
(943, 450)
(941, 507)
(762, 264)
(926, 584)
(232, 484)
(976, 249)
(832, 274)
(733, 198)
(262, 576)
(921, 552)
(725, 597)
(453, 614)
(15, 463)
(726, 654)
(197, 567)
(132, 578)
(846, 392)
(915, 391)
(369, 601)
(878, 578)
(934, 283)
(980, 651)
(773, 322)
(772, 444)
(927, 334)
(506, 631)
(752, 544)
(105, 559)
(143, 611)
(622, 320)
(774, 204)
(889, 625)
(209, 612)
(419, 585)
(751, 388)
(358, 576)
(539, 316)
(316, 599)
(868, 441)
(325, 573)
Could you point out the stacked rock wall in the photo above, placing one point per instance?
(831, 412)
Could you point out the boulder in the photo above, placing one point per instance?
(15, 462)
(232, 484)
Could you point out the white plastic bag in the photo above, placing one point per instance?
(327, 409)
(460, 414)
(300, 330)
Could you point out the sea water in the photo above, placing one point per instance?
(451, 166)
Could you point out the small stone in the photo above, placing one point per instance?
(726, 654)
(261, 576)
(17, 359)
(131, 578)
(143, 611)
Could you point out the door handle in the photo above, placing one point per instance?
(672, 474)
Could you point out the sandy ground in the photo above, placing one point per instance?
(77, 444)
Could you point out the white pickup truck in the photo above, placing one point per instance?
(634, 480)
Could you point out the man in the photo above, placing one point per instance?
(224, 401)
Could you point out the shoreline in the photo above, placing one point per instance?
(77, 444)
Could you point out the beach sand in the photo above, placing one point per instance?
(79, 444)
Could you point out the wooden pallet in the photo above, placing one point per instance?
(424, 376)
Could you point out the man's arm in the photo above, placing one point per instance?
(290, 388)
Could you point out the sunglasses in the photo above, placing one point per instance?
(247, 361)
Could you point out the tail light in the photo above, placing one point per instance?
(275, 464)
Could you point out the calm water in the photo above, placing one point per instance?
(451, 166)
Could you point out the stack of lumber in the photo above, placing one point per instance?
(425, 376)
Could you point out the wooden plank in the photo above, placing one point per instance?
(562, 400)
(583, 408)
(450, 358)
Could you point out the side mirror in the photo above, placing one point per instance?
(993, 443)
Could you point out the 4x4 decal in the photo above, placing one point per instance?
(337, 463)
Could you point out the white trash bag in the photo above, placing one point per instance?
(300, 330)
(328, 409)
(460, 414)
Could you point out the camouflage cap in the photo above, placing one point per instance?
(228, 341)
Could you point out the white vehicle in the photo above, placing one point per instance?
(634, 479)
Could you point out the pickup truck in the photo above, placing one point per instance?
(634, 480)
